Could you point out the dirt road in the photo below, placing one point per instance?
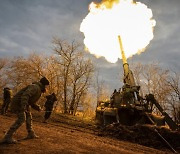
(65, 139)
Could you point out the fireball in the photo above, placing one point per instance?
(112, 18)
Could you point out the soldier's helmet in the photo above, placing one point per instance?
(44, 81)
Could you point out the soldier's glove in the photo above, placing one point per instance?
(36, 107)
(39, 109)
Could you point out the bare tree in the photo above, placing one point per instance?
(174, 97)
(152, 79)
(66, 53)
(101, 90)
(53, 72)
(82, 71)
(75, 72)
(163, 84)
(23, 71)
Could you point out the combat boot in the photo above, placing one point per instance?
(8, 139)
(31, 135)
(2, 112)
(45, 121)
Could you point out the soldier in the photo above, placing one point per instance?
(127, 94)
(6, 100)
(112, 98)
(20, 105)
(49, 106)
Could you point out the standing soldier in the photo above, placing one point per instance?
(21, 104)
(49, 106)
(6, 100)
(127, 94)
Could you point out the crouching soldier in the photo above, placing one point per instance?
(49, 106)
(6, 100)
(21, 104)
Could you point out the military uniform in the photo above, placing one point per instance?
(127, 94)
(49, 105)
(21, 104)
(6, 100)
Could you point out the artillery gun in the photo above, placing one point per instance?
(127, 107)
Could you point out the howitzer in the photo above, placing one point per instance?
(127, 107)
(129, 79)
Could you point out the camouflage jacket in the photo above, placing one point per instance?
(27, 96)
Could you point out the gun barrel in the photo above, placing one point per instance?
(128, 75)
(124, 59)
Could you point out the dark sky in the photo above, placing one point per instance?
(29, 25)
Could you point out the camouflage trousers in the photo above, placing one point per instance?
(21, 118)
(5, 106)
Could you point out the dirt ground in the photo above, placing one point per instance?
(67, 135)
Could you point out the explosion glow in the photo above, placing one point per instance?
(110, 18)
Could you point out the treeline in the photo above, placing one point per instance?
(69, 72)
(72, 75)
